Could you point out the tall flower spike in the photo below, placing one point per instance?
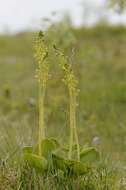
(70, 80)
(42, 73)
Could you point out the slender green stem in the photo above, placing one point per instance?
(75, 128)
(41, 132)
(71, 126)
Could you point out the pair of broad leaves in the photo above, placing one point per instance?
(54, 157)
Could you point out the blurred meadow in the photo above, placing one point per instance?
(98, 56)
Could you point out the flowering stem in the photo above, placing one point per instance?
(70, 80)
(75, 128)
(71, 125)
(41, 132)
(42, 71)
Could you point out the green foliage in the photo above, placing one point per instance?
(89, 155)
(69, 167)
(121, 4)
(56, 158)
(37, 162)
(59, 162)
(48, 146)
(27, 149)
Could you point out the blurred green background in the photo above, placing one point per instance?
(98, 55)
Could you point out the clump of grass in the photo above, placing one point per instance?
(100, 178)
(8, 177)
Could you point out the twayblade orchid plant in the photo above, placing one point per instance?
(71, 82)
(39, 155)
(45, 154)
(84, 156)
(42, 74)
